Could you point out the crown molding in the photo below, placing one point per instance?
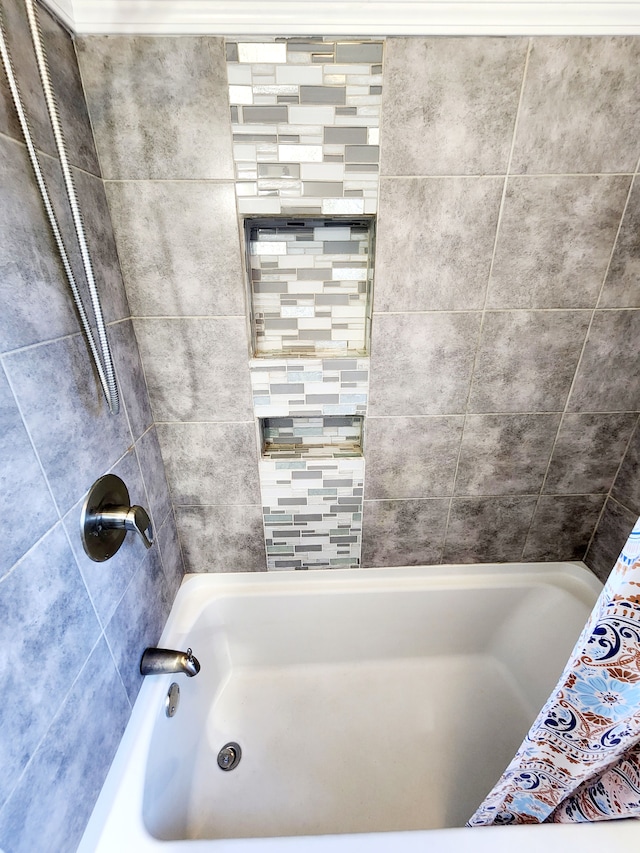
(341, 17)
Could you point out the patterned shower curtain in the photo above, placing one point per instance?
(581, 758)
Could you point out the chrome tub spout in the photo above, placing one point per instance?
(160, 661)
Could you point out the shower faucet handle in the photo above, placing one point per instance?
(107, 516)
(134, 518)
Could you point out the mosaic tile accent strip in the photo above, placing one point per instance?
(310, 285)
(310, 387)
(296, 438)
(312, 512)
(305, 116)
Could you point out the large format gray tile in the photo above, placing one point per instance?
(421, 363)
(526, 360)
(626, 488)
(555, 241)
(132, 628)
(171, 554)
(44, 642)
(403, 533)
(505, 454)
(23, 488)
(76, 438)
(449, 104)
(587, 453)
(485, 530)
(52, 803)
(562, 526)
(179, 247)
(154, 476)
(608, 379)
(611, 534)
(622, 286)
(411, 457)
(222, 538)
(30, 271)
(107, 582)
(130, 375)
(196, 369)
(579, 109)
(435, 242)
(24, 63)
(211, 463)
(158, 105)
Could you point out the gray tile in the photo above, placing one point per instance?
(26, 70)
(626, 488)
(579, 110)
(485, 530)
(587, 453)
(265, 115)
(555, 241)
(403, 533)
(107, 582)
(40, 630)
(411, 457)
(154, 476)
(133, 628)
(67, 85)
(421, 363)
(608, 378)
(30, 271)
(179, 247)
(562, 527)
(75, 437)
(22, 485)
(130, 375)
(211, 463)
(150, 97)
(222, 538)
(611, 534)
(102, 246)
(196, 369)
(345, 135)
(48, 810)
(505, 454)
(526, 360)
(359, 53)
(171, 554)
(435, 242)
(322, 95)
(449, 104)
(621, 288)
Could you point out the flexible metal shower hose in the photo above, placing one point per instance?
(104, 366)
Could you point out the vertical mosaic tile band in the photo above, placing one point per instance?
(310, 386)
(312, 512)
(305, 117)
(310, 285)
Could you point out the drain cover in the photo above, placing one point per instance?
(229, 756)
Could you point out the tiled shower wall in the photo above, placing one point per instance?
(71, 631)
(504, 381)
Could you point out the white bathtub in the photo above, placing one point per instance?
(375, 709)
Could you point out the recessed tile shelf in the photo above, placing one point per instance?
(310, 285)
(311, 437)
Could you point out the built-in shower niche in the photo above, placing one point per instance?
(312, 437)
(310, 285)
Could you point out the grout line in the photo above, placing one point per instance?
(529, 310)
(509, 496)
(579, 363)
(52, 722)
(486, 292)
(187, 317)
(492, 175)
(231, 181)
(28, 347)
(609, 495)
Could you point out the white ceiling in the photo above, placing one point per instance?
(341, 17)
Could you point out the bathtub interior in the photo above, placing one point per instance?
(360, 707)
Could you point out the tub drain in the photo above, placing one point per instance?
(229, 756)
